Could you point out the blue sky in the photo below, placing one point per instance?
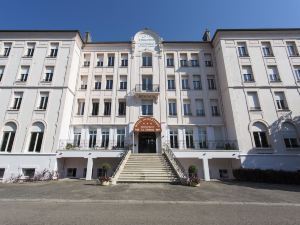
(115, 20)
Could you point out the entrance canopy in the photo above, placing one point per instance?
(147, 124)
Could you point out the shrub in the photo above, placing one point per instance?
(267, 176)
(193, 171)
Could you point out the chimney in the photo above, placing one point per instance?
(87, 37)
(206, 35)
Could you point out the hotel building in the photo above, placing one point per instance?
(70, 104)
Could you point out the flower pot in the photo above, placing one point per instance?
(105, 183)
(195, 184)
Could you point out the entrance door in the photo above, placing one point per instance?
(147, 142)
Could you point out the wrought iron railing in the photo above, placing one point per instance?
(205, 145)
(151, 88)
(89, 145)
(179, 169)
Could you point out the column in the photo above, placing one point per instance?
(206, 169)
(89, 169)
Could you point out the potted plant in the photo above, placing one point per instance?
(194, 181)
(193, 171)
(105, 179)
(69, 146)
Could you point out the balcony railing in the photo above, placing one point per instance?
(88, 145)
(204, 145)
(147, 88)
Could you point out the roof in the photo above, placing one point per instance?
(253, 30)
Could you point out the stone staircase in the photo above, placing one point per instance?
(148, 168)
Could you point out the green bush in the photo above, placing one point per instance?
(193, 171)
(267, 176)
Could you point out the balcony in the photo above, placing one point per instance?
(204, 145)
(88, 145)
(145, 91)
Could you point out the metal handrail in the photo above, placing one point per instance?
(175, 164)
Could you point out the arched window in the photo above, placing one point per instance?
(8, 138)
(36, 138)
(260, 135)
(147, 59)
(289, 135)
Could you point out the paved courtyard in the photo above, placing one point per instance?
(82, 202)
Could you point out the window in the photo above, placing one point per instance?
(1, 72)
(183, 60)
(147, 84)
(107, 107)
(36, 139)
(17, 100)
(280, 101)
(189, 139)
(111, 60)
(100, 60)
(253, 101)
(211, 82)
(173, 138)
(81, 105)
(97, 82)
(208, 60)
(77, 138)
(247, 74)
(2, 171)
(202, 137)
(197, 82)
(30, 49)
(105, 138)
(8, 137)
(267, 49)
(53, 50)
(185, 83)
(122, 108)
(86, 60)
(44, 96)
(121, 138)
(170, 60)
(290, 135)
(194, 60)
(296, 69)
(48, 74)
(83, 84)
(124, 60)
(214, 107)
(292, 48)
(92, 138)
(242, 49)
(24, 73)
(187, 108)
(273, 74)
(171, 82)
(147, 59)
(200, 107)
(260, 135)
(71, 172)
(172, 107)
(123, 82)
(109, 83)
(147, 107)
(28, 172)
(6, 49)
(95, 107)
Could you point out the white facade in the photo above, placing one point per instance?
(219, 104)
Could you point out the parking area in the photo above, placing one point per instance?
(208, 191)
